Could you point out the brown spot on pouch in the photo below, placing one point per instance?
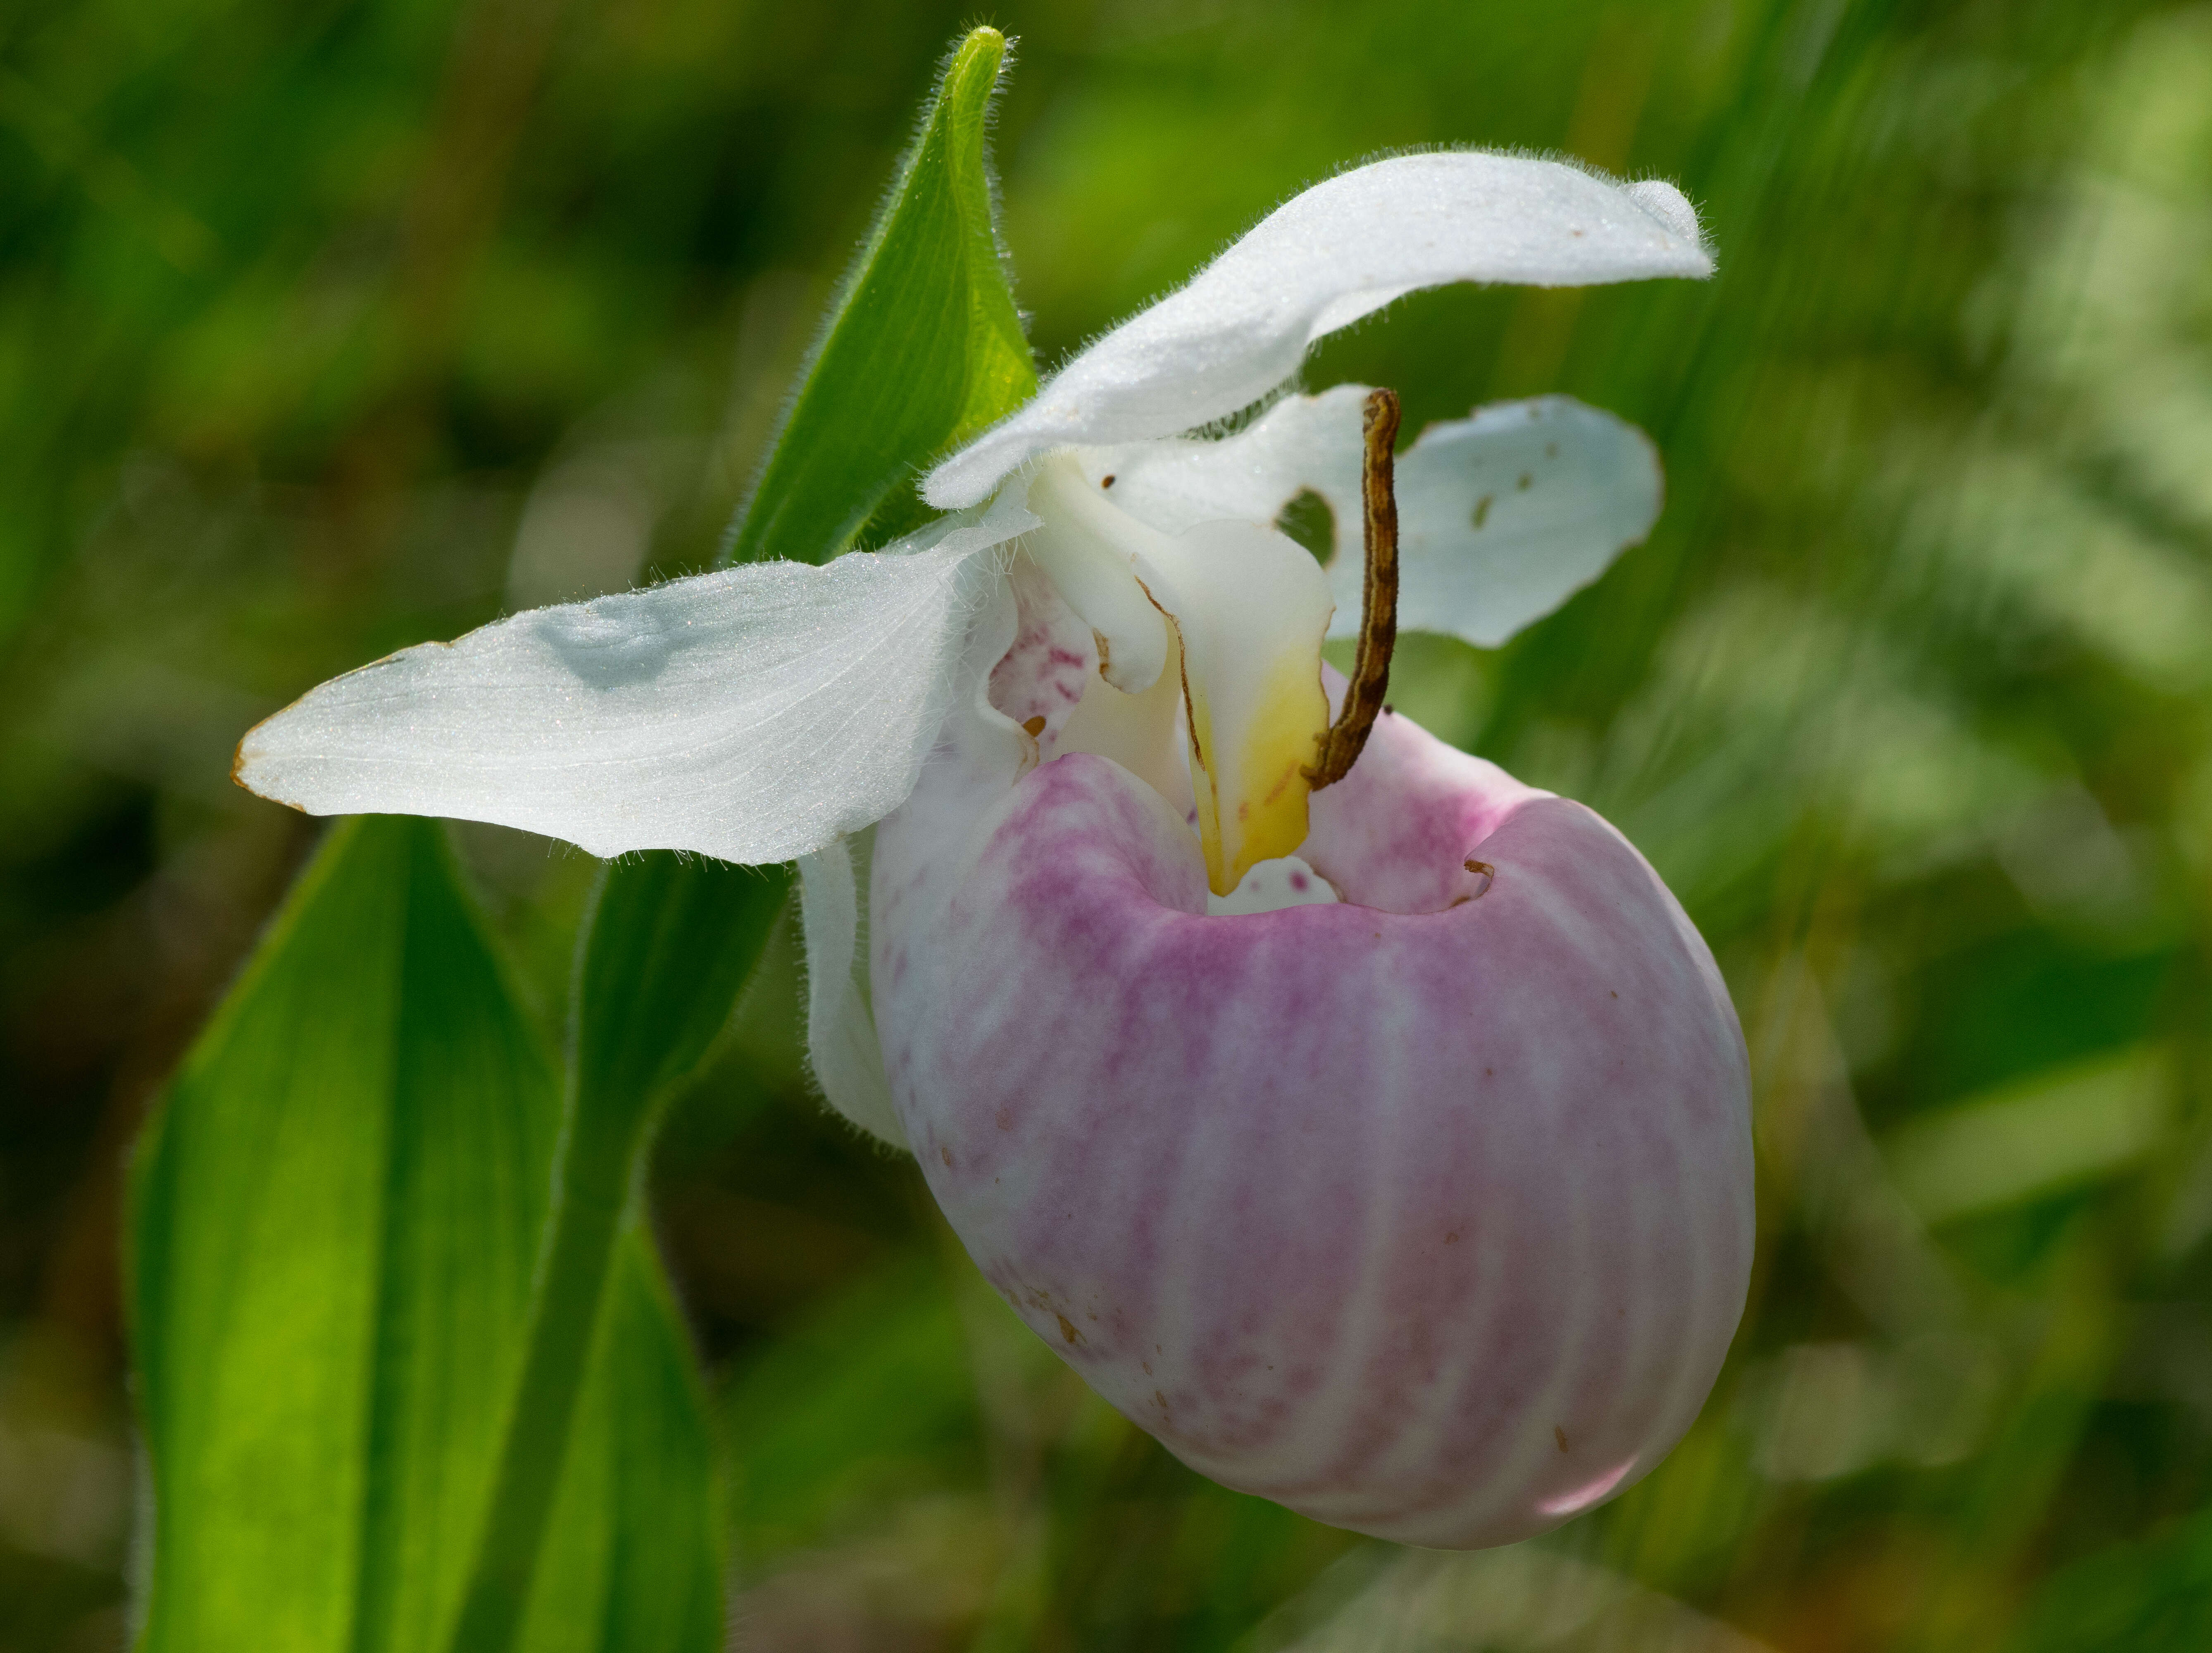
(945, 1154)
(1067, 1330)
(1034, 726)
(1560, 1435)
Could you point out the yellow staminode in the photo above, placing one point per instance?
(1248, 608)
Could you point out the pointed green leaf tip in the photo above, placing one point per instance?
(336, 1217)
(924, 347)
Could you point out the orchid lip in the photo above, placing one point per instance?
(1420, 1204)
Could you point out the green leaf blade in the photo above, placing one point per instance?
(924, 347)
(476, 1114)
(337, 1218)
(258, 1197)
(636, 1538)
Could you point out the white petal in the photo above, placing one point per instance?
(1501, 517)
(841, 1029)
(755, 714)
(1341, 250)
(1559, 490)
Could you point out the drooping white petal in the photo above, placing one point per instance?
(1501, 517)
(754, 714)
(1341, 250)
(840, 1031)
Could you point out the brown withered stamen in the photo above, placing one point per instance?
(1379, 599)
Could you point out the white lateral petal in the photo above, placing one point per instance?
(1501, 517)
(841, 1029)
(1341, 250)
(754, 714)
(1504, 516)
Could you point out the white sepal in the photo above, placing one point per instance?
(754, 714)
(1341, 250)
(1501, 517)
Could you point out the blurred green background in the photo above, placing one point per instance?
(329, 327)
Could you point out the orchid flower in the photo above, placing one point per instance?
(1374, 1133)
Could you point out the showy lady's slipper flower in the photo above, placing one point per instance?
(1370, 1128)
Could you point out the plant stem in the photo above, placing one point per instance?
(600, 1151)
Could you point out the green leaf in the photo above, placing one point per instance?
(632, 1556)
(336, 1217)
(924, 347)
